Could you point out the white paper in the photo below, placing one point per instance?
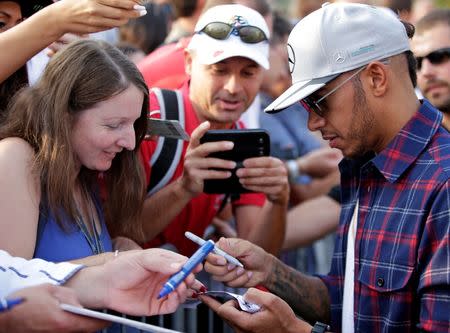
(116, 319)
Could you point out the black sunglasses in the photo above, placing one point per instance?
(248, 33)
(436, 57)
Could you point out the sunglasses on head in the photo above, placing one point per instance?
(436, 57)
(248, 33)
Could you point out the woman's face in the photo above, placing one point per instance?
(10, 15)
(103, 131)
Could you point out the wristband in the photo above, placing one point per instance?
(293, 170)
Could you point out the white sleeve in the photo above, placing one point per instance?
(17, 273)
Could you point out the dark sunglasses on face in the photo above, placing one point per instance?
(248, 33)
(436, 57)
(311, 104)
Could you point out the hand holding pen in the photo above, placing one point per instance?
(176, 279)
(216, 250)
(258, 264)
(7, 304)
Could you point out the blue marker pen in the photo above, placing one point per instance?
(6, 304)
(175, 280)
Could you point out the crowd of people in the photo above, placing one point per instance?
(356, 100)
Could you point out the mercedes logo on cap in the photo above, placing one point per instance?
(291, 55)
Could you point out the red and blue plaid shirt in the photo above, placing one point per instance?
(402, 251)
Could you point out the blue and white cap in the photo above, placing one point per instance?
(335, 39)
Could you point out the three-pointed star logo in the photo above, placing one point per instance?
(291, 59)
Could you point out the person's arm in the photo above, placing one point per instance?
(264, 226)
(17, 273)
(434, 256)
(43, 28)
(163, 206)
(131, 282)
(322, 166)
(310, 221)
(307, 295)
(19, 198)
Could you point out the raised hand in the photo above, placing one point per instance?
(88, 16)
(267, 175)
(197, 166)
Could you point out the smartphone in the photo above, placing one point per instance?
(166, 128)
(247, 143)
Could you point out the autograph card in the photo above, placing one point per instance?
(166, 128)
(116, 319)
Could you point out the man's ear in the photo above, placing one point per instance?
(377, 74)
(187, 62)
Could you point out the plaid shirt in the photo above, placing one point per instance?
(402, 251)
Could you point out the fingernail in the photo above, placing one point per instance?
(203, 289)
(139, 7)
(249, 274)
(142, 12)
(221, 261)
(231, 267)
(239, 271)
(229, 145)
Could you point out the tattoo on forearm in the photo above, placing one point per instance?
(307, 295)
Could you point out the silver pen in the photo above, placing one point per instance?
(217, 250)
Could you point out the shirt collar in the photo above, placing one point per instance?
(409, 143)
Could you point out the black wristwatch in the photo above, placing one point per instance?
(320, 328)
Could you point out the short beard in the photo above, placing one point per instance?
(366, 119)
(445, 108)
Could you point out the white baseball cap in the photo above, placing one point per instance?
(210, 50)
(335, 39)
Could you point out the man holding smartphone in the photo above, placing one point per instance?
(225, 61)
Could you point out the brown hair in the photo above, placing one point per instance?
(10, 86)
(85, 73)
(432, 19)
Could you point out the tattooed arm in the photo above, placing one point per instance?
(307, 295)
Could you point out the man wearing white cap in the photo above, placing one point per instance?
(352, 68)
(224, 60)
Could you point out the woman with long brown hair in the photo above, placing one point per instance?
(83, 121)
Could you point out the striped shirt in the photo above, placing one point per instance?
(402, 247)
(17, 273)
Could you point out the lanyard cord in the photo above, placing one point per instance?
(93, 240)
